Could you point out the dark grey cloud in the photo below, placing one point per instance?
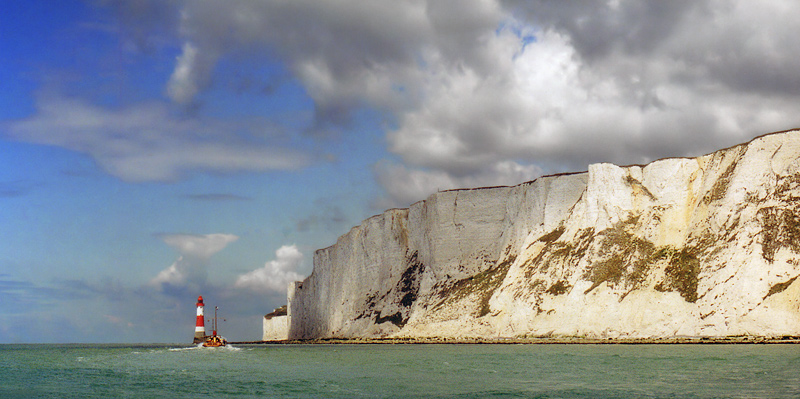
(741, 45)
(600, 29)
(325, 216)
(348, 54)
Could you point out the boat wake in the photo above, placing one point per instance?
(201, 347)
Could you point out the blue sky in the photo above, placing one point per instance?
(152, 151)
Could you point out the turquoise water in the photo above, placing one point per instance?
(348, 371)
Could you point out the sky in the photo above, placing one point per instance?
(155, 150)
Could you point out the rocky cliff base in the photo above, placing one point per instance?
(739, 340)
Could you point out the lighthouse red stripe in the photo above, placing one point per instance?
(200, 321)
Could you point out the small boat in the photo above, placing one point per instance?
(215, 341)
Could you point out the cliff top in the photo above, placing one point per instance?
(555, 175)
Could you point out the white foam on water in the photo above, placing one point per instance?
(201, 347)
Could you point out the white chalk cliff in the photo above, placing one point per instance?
(706, 246)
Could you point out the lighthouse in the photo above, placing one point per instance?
(200, 326)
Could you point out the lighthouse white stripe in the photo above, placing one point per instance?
(199, 329)
(199, 310)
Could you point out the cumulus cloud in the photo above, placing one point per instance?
(148, 143)
(550, 86)
(276, 274)
(191, 268)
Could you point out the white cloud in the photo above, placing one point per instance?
(471, 84)
(191, 75)
(183, 84)
(469, 120)
(199, 246)
(176, 274)
(276, 274)
(191, 268)
(147, 143)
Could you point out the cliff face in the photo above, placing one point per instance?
(276, 325)
(708, 246)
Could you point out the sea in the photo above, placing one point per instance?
(400, 371)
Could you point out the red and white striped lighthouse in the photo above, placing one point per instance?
(200, 326)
